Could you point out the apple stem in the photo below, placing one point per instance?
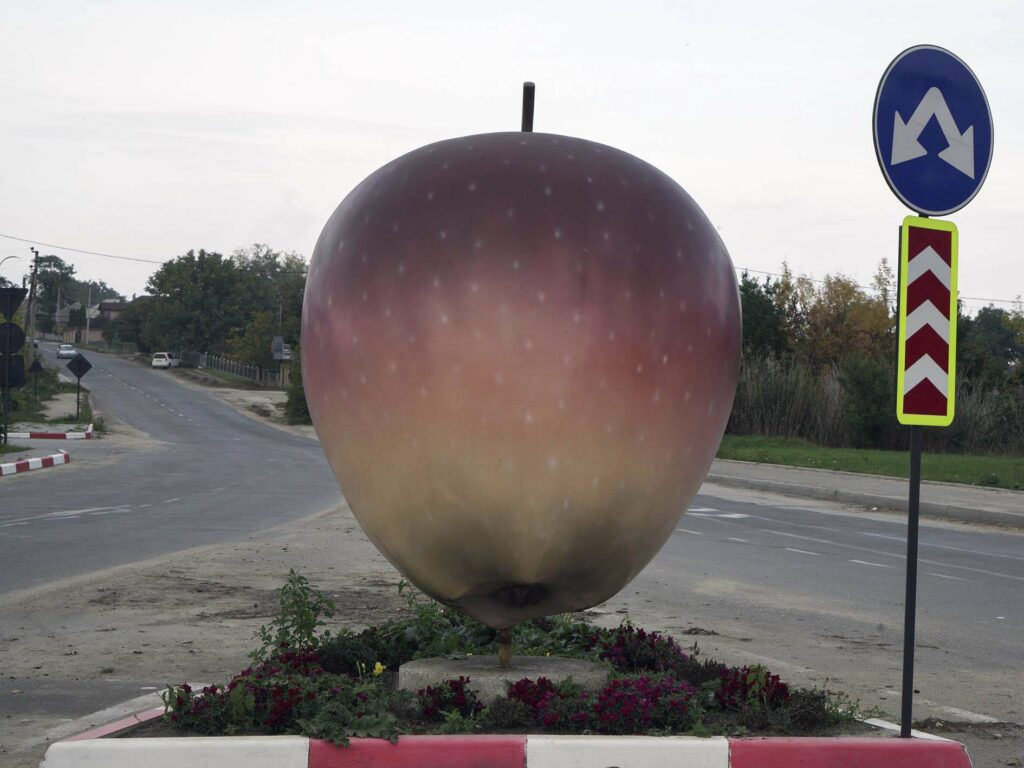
(528, 91)
(505, 648)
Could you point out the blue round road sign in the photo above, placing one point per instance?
(933, 130)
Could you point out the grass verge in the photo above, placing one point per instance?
(12, 449)
(993, 471)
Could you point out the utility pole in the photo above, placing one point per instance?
(32, 295)
(88, 303)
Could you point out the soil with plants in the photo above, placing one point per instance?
(305, 680)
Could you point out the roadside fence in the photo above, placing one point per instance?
(276, 378)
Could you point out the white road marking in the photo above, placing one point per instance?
(66, 514)
(944, 576)
(742, 541)
(168, 501)
(902, 539)
(802, 551)
(865, 562)
(687, 530)
(703, 509)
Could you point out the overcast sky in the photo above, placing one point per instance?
(145, 129)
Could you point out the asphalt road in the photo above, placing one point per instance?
(811, 589)
(206, 474)
(816, 590)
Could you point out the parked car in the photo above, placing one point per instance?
(165, 360)
(66, 351)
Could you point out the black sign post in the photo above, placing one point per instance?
(79, 366)
(11, 340)
(35, 369)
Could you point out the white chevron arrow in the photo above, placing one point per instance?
(927, 314)
(905, 144)
(926, 368)
(928, 261)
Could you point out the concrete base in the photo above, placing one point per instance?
(491, 682)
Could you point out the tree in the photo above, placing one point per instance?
(763, 322)
(199, 299)
(252, 344)
(989, 346)
(134, 324)
(276, 282)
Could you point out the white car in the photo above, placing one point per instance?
(66, 351)
(165, 360)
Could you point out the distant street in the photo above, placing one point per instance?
(209, 474)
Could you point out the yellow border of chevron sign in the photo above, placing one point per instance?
(912, 418)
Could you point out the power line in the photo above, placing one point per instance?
(80, 250)
(154, 261)
(867, 288)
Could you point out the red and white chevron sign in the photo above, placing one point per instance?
(926, 372)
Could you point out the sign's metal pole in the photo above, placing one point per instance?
(8, 359)
(910, 605)
(78, 398)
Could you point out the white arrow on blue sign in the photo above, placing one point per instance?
(933, 130)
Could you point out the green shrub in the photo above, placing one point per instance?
(302, 612)
(306, 680)
(296, 409)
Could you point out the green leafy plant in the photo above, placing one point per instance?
(305, 680)
(302, 613)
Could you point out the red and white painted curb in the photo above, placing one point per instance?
(86, 435)
(40, 462)
(514, 751)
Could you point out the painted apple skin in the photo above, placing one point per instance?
(520, 351)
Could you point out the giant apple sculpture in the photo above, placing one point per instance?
(520, 351)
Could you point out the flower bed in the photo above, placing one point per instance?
(306, 680)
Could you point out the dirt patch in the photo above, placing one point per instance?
(265, 405)
(190, 616)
